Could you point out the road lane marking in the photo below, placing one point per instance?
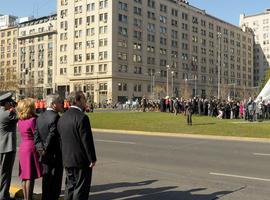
(242, 177)
(261, 154)
(115, 141)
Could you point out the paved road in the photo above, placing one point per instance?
(133, 167)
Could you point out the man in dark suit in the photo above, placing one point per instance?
(47, 140)
(78, 148)
(189, 111)
(8, 121)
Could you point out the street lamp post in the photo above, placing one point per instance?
(172, 83)
(167, 88)
(219, 62)
(195, 79)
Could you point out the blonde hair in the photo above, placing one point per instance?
(26, 108)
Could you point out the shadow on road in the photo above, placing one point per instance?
(101, 192)
(98, 192)
(102, 188)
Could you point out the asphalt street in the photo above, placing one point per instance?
(138, 167)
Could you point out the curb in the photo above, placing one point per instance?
(17, 193)
(184, 135)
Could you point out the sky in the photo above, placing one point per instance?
(22, 8)
(227, 10)
(230, 10)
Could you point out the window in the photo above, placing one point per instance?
(122, 31)
(103, 17)
(163, 8)
(122, 6)
(102, 68)
(90, 7)
(103, 42)
(122, 56)
(89, 68)
(122, 18)
(137, 11)
(103, 4)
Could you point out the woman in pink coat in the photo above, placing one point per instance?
(241, 109)
(29, 165)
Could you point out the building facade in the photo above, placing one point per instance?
(37, 43)
(260, 25)
(7, 21)
(122, 49)
(8, 57)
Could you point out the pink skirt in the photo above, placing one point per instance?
(29, 165)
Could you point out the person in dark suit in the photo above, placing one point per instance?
(47, 140)
(8, 121)
(189, 111)
(78, 150)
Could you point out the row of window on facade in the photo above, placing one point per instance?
(174, 35)
(37, 30)
(39, 48)
(35, 39)
(89, 69)
(8, 33)
(8, 63)
(91, 87)
(8, 42)
(124, 87)
(88, 44)
(79, 33)
(150, 3)
(90, 7)
(103, 17)
(8, 55)
(88, 57)
(256, 23)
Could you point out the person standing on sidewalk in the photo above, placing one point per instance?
(47, 141)
(8, 121)
(29, 165)
(78, 150)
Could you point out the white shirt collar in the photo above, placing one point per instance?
(76, 107)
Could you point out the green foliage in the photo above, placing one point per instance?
(167, 122)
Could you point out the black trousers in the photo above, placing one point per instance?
(6, 166)
(78, 183)
(189, 118)
(52, 181)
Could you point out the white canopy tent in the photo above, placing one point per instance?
(265, 93)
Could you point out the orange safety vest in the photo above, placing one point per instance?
(42, 104)
(36, 104)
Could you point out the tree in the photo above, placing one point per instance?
(8, 80)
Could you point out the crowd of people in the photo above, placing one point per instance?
(48, 144)
(246, 109)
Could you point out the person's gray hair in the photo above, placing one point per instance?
(53, 99)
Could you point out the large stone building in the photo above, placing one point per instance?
(37, 41)
(7, 21)
(260, 25)
(8, 53)
(121, 49)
